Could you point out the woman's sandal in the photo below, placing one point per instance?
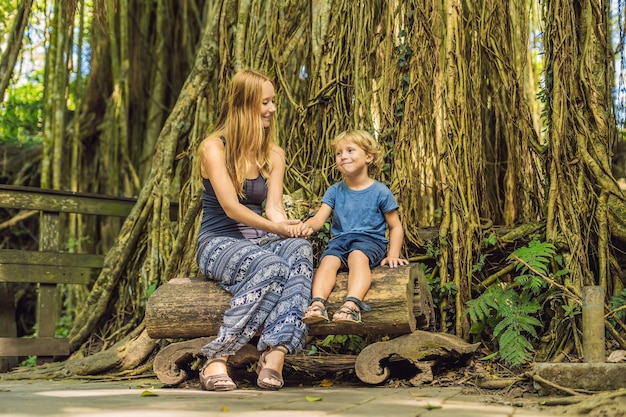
(267, 373)
(314, 313)
(352, 315)
(218, 382)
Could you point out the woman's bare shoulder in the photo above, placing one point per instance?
(211, 145)
(278, 150)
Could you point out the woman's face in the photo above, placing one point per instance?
(268, 104)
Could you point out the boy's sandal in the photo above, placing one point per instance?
(218, 382)
(352, 315)
(267, 373)
(349, 315)
(314, 313)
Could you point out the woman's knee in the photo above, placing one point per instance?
(295, 251)
(303, 247)
(273, 263)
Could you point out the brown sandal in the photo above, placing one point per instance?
(218, 382)
(353, 315)
(267, 373)
(314, 313)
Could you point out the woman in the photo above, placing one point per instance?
(258, 259)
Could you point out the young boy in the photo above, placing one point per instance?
(362, 210)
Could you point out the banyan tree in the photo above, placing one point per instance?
(498, 120)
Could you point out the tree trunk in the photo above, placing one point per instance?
(13, 45)
(582, 136)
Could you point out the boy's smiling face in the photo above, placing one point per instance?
(350, 158)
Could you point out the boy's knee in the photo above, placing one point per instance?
(358, 255)
(330, 262)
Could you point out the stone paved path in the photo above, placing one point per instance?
(146, 398)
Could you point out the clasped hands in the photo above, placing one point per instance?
(295, 228)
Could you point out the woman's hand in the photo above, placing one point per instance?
(294, 228)
(304, 230)
(290, 228)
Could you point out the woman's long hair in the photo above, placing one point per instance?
(241, 125)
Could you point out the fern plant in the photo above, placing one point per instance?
(510, 309)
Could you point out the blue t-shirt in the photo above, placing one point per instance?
(360, 211)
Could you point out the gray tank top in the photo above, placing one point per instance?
(216, 223)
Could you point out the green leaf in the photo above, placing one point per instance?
(489, 357)
(313, 399)
(151, 289)
(503, 325)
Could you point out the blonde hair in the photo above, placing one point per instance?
(365, 141)
(241, 126)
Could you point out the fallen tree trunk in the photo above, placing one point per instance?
(414, 355)
(181, 361)
(194, 307)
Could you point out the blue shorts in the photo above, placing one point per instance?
(341, 246)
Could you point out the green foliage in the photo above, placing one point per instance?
(8, 10)
(319, 241)
(571, 311)
(63, 326)
(617, 304)
(73, 244)
(66, 317)
(490, 239)
(478, 266)
(342, 343)
(534, 261)
(510, 309)
(151, 289)
(30, 362)
(21, 115)
(432, 250)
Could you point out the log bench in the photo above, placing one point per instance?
(193, 308)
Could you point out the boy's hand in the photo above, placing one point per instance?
(306, 230)
(393, 261)
(301, 230)
(290, 228)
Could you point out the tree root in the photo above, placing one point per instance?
(605, 404)
(127, 354)
(551, 384)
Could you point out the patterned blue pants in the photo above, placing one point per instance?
(270, 285)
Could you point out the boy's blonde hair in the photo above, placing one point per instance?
(365, 141)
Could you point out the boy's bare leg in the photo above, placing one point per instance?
(359, 280)
(324, 282)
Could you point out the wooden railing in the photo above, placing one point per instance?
(50, 265)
